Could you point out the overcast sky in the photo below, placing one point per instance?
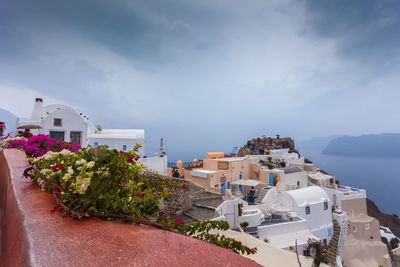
(209, 74)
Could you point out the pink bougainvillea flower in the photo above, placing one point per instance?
(179, 221)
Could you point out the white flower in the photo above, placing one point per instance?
(91, 164)
(80, 162)
(47, 172)
(70, 170)
(65, 152)
(67, 176)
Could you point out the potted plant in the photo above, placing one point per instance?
(275, 181)
(244, 226)
(240, 209)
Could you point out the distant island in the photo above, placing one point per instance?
(371, 145)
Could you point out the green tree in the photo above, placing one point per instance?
(318, 251)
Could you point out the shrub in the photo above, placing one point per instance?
(283, 164)
(244, 225)
(318, 251)
(99, 181)
(38, 145)
(109, 184)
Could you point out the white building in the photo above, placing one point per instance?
(291, 178)
(120, 139)
(64, 123)
(311, 204)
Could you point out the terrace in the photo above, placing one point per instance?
(35, 234)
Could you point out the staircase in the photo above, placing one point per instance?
(253, 231)
(333, 244)
(203, 205)
(261, 195)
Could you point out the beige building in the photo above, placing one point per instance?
(218, 172)
(361, 240)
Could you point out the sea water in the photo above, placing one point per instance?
(380, 177)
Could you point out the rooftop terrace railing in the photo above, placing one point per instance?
(348, 188)
(276, 220)
(173, 164)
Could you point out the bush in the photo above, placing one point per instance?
(318, 251)
(283, 164)
(99, 181)
(394, 243)
(38, 145)
(244, 225)
(109, 184)
(270, 166)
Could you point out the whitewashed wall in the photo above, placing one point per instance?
(71, 121)
(118, 143)
(157, 164)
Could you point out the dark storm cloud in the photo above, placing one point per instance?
(209, 72)
(367, 30)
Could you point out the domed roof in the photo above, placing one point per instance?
(308, 195)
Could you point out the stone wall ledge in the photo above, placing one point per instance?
(34, 235)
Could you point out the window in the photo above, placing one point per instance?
(351, 212)
(58, 135)
(216, 185)
(354, 229)
(240, 176)
(96, 144)
(325, 205)
(57, 122)
(325, 242)
(367, 226)
(75, 137)
(308, 211)
(223, 165)
(124, 147)
(298, 184)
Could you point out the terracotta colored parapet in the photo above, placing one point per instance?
(33, 235)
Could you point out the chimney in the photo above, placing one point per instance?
(38, 110)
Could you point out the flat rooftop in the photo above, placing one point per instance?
(230, 159)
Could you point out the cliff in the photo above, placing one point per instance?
(391, 221)
(371, 145)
